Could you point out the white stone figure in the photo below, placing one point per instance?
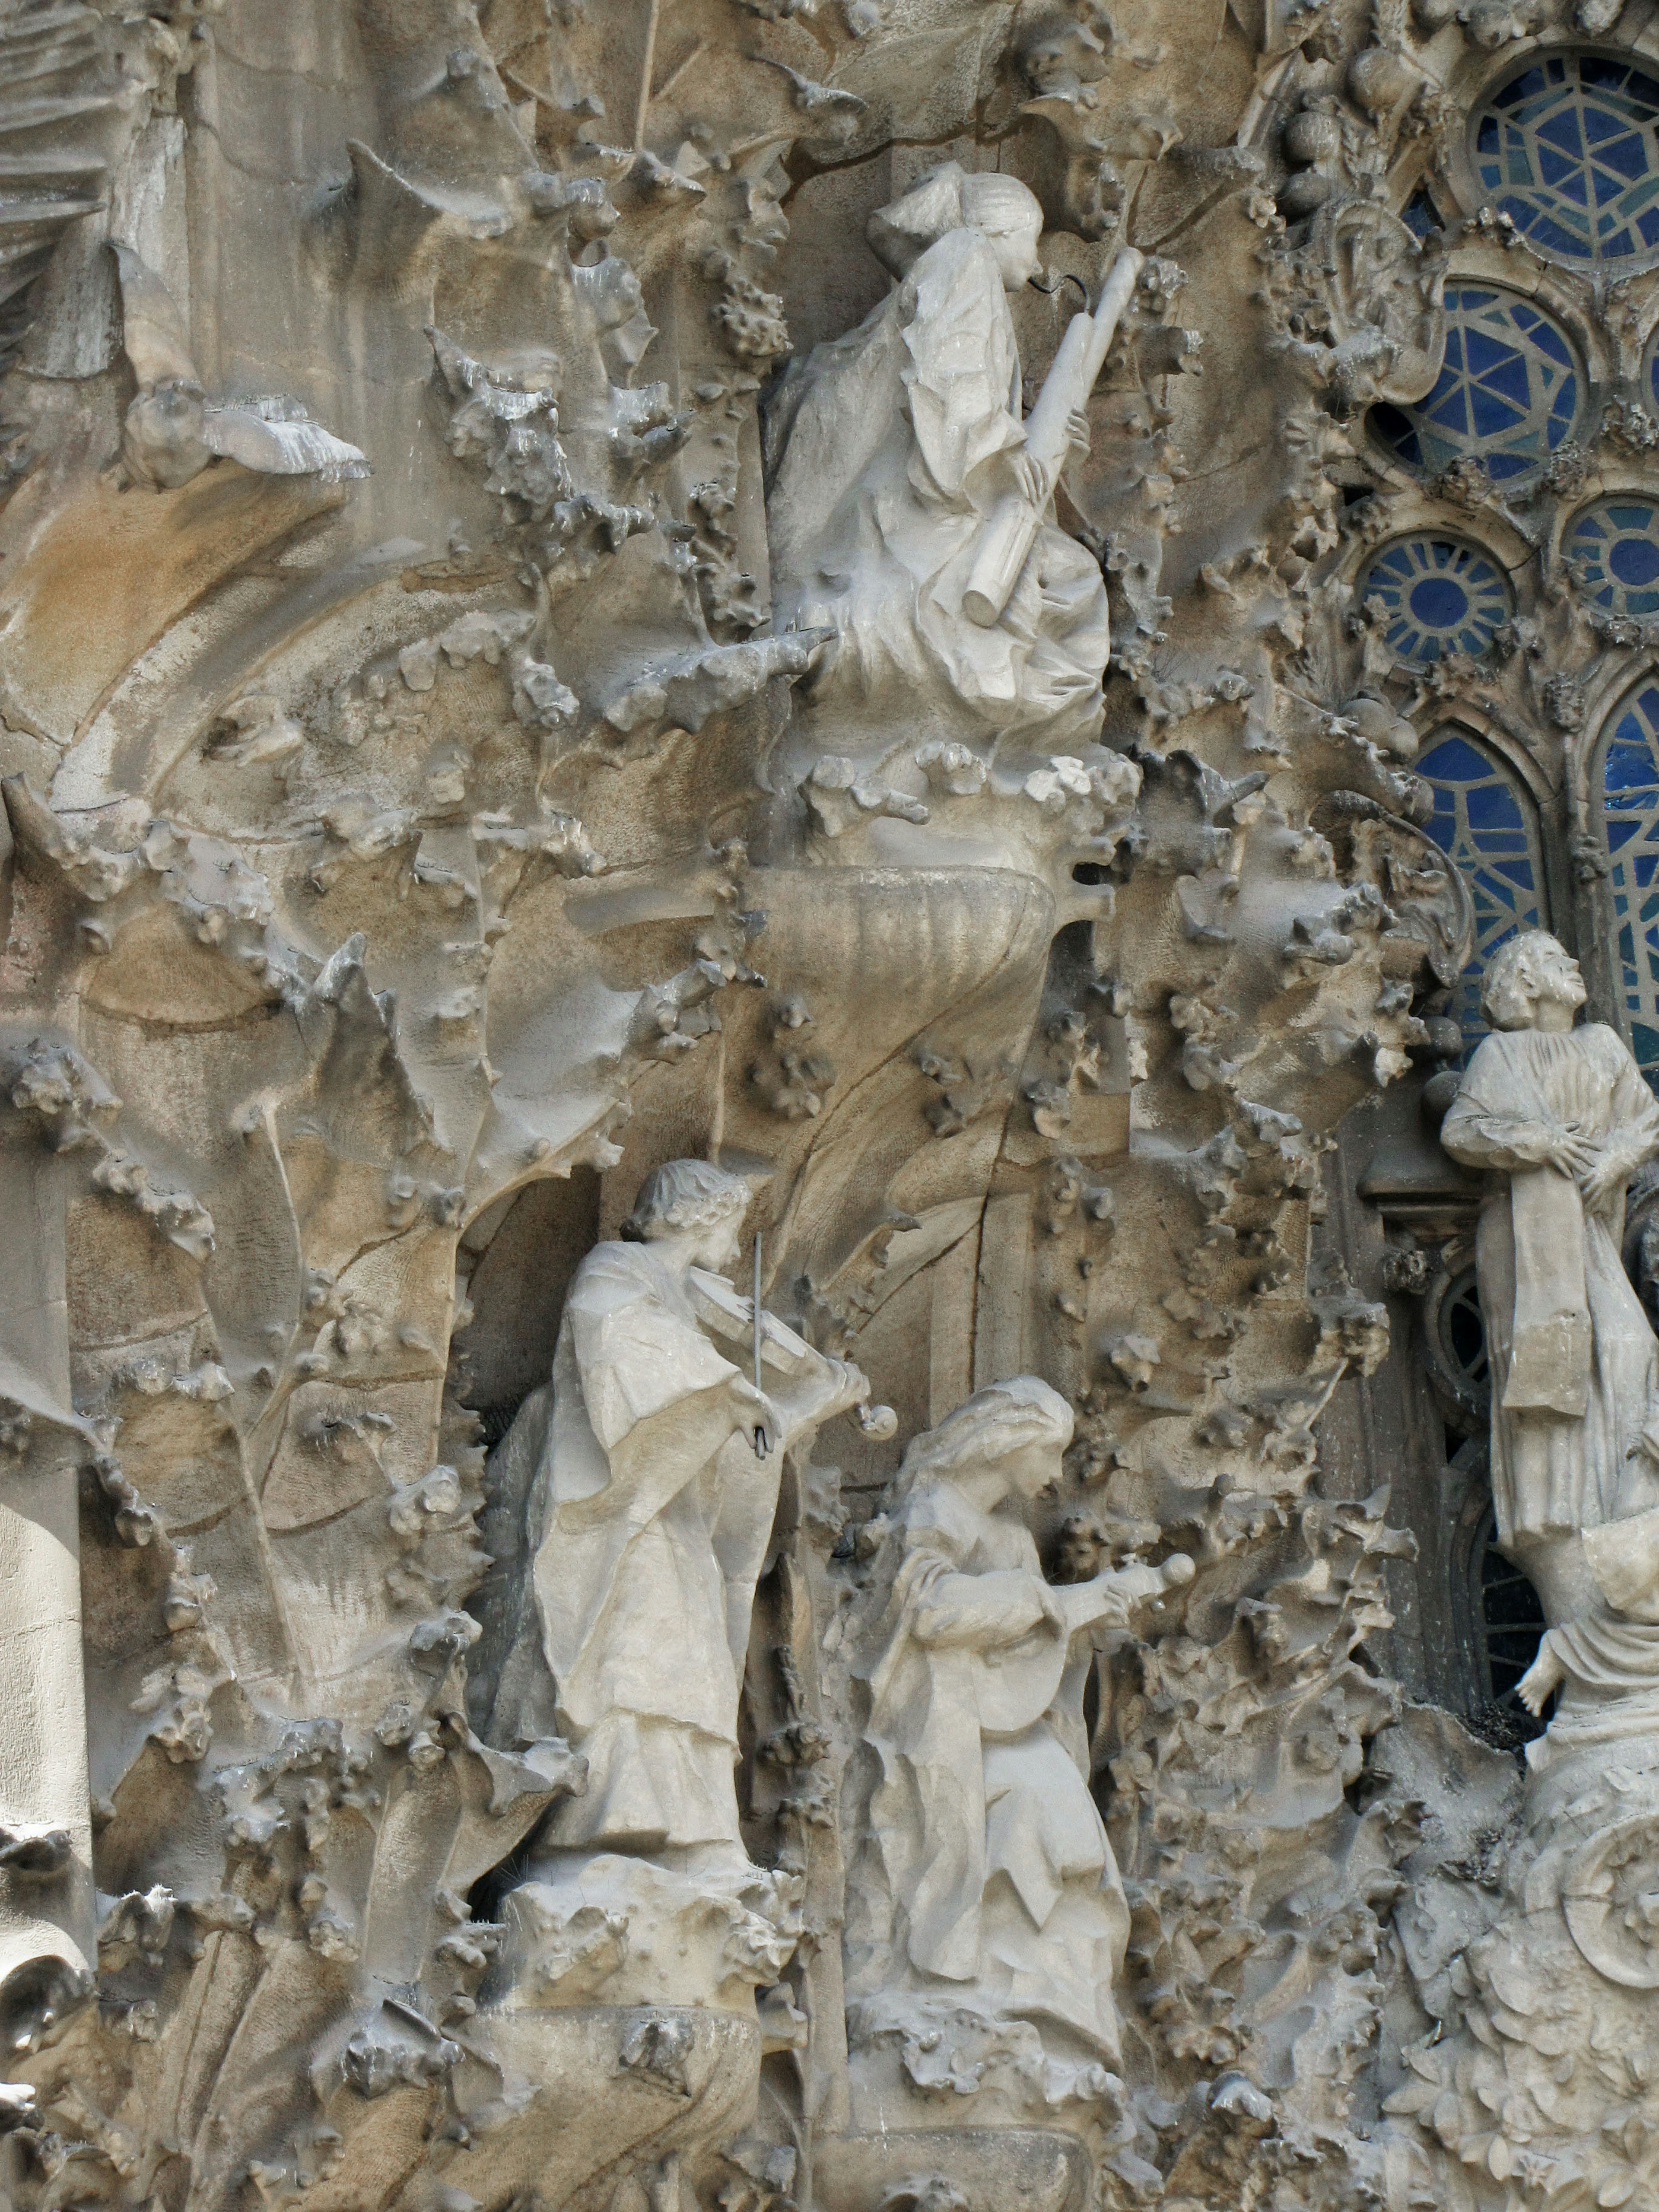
(987, 1856)
(901, 439)
(650, 1515)
(1605, 1662)
(1559, 1118)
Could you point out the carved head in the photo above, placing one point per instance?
(691, 1199)
(1021, 1426)
(1532, 970)
(948, 198)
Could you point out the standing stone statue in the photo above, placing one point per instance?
(988, 1892)
(1559, 1118)
(898, 442)
(651, 1512)
(648, 1516)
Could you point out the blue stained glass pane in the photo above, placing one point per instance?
(1562, 131)
(1612, 551)
(1550, 145)
(1630, 809)
(1484, 822)
(1508, 391)
(1492, 805)
(1419, 215)
(1437, 597)
(1438, 601)
(1627, 158)
(1483, 352)
(1634, 561)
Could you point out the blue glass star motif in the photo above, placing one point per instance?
(1569, 150)
(1507, 395)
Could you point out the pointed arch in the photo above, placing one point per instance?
(1485, 822)
(1627, 782)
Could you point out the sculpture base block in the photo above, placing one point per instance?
(627, 1931)
(986, 2169)
(586, 2098)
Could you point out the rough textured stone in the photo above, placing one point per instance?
(724, 993)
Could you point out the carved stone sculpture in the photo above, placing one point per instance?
(638, 631)
(897, 442)
(988, 1903)
(1560, 1119)
(647, 1519)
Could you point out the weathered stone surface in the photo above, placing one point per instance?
(731, 1473)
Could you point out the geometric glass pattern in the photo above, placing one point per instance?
(1630, 815)
(1439, 598)
(1507, 394)
(1613, 547)
(1570, 150)
(1485, 824)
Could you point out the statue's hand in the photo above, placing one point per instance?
(1545, 1675)
(756, 1415)
(1030, 481)
(1078, 432)
(1605, 1182)
(1576, 1156)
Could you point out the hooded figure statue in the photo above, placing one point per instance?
(892, 446)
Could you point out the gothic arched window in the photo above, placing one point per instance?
(1630, 816)
(1569, 150)
(1484, 821)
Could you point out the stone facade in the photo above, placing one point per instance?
(765, 763)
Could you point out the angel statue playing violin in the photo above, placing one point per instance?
(648, 1515)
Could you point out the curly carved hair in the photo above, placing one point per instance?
(685, 1194)
(1506, 990)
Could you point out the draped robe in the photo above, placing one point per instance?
(1609, 1656)
(894, 434)
(649, 1517)
(993, 1853)
(1573, 1361)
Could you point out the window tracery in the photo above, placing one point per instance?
(1569, 150)
(1630, 814)
(1487, 826)
(1507, 395)
(1439, 596)
(1612, 551)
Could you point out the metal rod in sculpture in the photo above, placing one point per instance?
(47, 1944)
(1011, 529)
(760, 1430)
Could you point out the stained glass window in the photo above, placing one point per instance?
(1439, 598)
(1484, 823)
(1630, 812)
(1568, 150)
(1614, 548)
(1507, 395)
(1512, 1625)
(1419, 215)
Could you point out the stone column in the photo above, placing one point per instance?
(46, 1908)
